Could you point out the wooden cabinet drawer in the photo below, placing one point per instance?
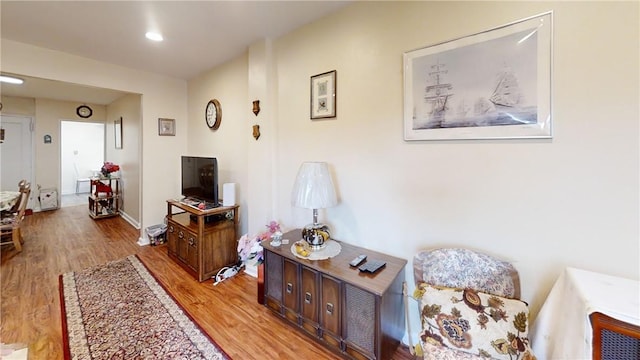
(330, 311)
(291, 292)
(191, 258)
(172, 238)
(309, 300)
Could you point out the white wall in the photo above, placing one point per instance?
(542, 204)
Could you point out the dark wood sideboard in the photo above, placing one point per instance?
(358, 315)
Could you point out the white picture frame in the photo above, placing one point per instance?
(117, 132)
(494, 84)
(166, 127)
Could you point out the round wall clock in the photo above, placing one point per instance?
(84, 111)
(213, 114)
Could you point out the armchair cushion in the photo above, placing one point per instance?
(464, 268)
(475, 322)
(436, 352)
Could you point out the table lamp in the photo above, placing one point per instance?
(314, 189)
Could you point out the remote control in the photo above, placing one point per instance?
(372, 266)
(358, 260)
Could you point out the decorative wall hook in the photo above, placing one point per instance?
(256, 107)
(256, 131)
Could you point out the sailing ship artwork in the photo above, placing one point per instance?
(480, 85)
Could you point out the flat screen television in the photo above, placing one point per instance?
(200, 179)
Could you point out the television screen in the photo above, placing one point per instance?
(200, 178)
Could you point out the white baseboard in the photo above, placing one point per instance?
(251, 269)
(130, 220)
(252, 273)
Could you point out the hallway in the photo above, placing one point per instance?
(73, 199)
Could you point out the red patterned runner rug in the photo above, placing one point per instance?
(119, 311)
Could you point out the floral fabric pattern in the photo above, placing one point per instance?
(463, 268)
(435, 352)
(486, 325)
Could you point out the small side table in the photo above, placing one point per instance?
(104, 197)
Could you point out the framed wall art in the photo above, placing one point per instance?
(117, 132)
(491, 85)
(166, 127)
(323, 95)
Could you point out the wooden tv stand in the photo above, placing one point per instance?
(358, 315)
(202, 241)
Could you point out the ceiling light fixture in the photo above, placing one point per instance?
(154, 36)
(10, 80)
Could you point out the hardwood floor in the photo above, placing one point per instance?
(67, 240)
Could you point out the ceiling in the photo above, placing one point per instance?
(198, 35)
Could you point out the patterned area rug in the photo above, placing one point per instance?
(119, 311)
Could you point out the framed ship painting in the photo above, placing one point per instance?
(491, 85)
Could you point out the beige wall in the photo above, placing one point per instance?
(542, 204)
(47, 119)
(162, 97)
(47, 115)
(18, 106)
(128, 158)
(227, 84)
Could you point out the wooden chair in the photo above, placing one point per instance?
(14, 209)
(11, 226)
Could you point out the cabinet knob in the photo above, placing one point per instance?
(330, 308)
(289, 288)
(307, 297)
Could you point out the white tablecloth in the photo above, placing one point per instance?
(7, 199)
(563, 330)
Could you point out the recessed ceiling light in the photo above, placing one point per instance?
(10, 80)
(153, 36)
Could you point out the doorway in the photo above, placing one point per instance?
(16, 152)
(82, 149)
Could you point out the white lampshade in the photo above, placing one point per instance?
(314, 188)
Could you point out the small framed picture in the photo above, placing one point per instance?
(166, 127)
(323, 95)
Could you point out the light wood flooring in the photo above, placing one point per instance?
(67, 240)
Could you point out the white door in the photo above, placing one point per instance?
(16, 152)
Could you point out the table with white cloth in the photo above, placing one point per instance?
(8, 199)
(563, 330)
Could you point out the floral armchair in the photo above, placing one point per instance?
(469, 306)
